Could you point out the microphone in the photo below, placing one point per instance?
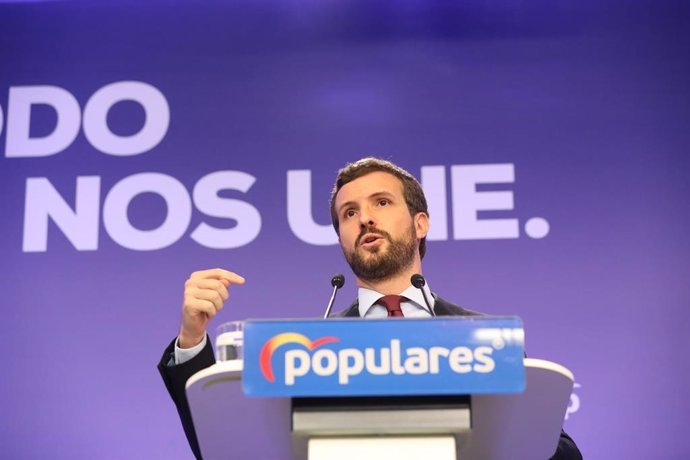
(337, 282)
(418, 281)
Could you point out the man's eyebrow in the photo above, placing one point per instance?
(380, 193)
(345, 205)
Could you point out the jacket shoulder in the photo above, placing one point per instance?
(443, 307)
(349, 312)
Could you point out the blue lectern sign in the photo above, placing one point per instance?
(383, 357)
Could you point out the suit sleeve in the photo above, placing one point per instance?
(175, 378)
(567, 449)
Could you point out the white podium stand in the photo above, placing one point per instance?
(483, 426)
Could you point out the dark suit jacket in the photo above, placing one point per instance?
(175, 377)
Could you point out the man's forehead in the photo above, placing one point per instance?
(371, 183)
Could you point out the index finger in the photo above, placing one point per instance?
(220, 274)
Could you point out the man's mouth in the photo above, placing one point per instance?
(369, 238)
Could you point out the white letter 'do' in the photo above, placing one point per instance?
(18, 142)
(155, 126)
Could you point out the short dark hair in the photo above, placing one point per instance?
(412, 190)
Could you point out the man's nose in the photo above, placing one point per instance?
(366, 219)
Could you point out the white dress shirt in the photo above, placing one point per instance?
(415, 307)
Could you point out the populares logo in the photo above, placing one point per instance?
(349, 362)
(282, 339)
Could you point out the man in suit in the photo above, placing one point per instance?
(380, 214)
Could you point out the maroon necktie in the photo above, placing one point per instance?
(392, 304)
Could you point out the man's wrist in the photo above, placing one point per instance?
(183, 355)
(184, 341)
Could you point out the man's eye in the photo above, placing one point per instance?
(384, 202)
(350, 213)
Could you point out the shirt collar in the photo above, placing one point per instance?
(368, 297)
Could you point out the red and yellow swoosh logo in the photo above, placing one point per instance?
(281, 339)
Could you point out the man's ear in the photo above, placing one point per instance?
(421, 224)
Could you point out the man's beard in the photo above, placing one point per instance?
(380, 265)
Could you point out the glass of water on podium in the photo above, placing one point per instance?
(229, 341)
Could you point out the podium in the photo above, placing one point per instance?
(344, 413)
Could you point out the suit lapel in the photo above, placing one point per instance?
(352, 311)
(441, 307)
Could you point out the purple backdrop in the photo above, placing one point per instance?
(587, 103)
